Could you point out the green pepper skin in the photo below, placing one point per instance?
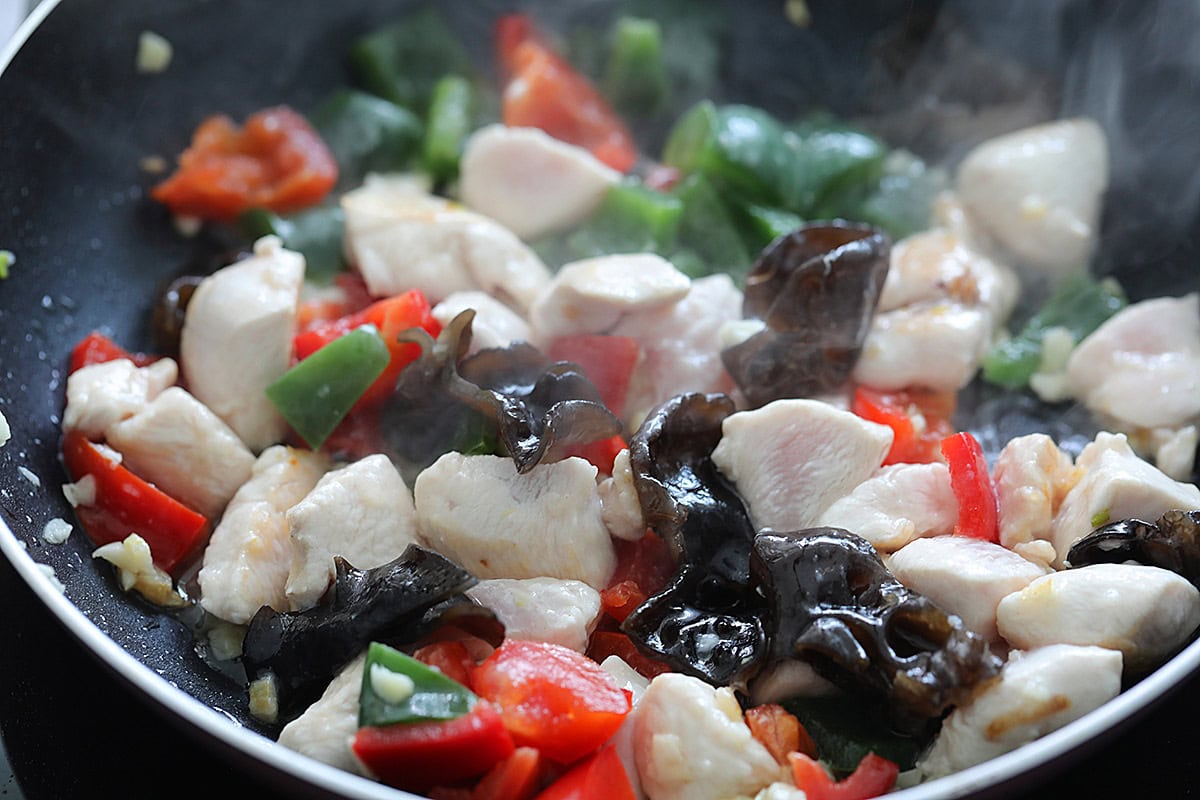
(434, 696)
(635, 80)
(451, 118)
(316, 394)
(316, 233)
(630, 219)
(367, 134)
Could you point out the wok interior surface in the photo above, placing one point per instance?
(92, 248)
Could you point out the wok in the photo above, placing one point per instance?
(91, 676)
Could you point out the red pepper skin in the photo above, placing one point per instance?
(873, 776)
(543, 91)
(552, 698)
(418, 756)
(894, 409)
(96, 348)
(643, 568)
(978, 510)
(515, 778)
(127, 504)
(601, 777)
(600, 454)
(450, 657)
(779, 731)
(275, 161)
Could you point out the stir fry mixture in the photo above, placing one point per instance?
(515, 459)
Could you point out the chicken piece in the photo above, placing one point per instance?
(792, 459)
(495, 324)
(681, 351)
(362, 512)
(182, 447)
(633, 682)
(1037, 192)
(496, 523)
(937, 265)
(1142, 366)
(936, 345)
(896, 505)
(963, 576)
(593, 295)
(1145, 612)
(248, 556)
(1116, 485)
(691, 743)
(1036, 693)
(1032, 477)
(1175, 451)
(620, 508)
(326, 728)
(401, 239)
(100, 395)
(237, 339)
(530, 182)
(542, 609)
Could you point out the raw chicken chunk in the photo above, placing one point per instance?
(182, 447)
(896, 505)
(496, 523)
(362, 512)
(401, 239)
(792, 459)
(530, 182)
(237, 339)
(632, 681)
(1145, 612)
(1032, 477)
(248, 557)
(595, 294)
(691, 743)
(1142, 366)
(100, 395)
(325, 730)
(1036, 693)
(1116, 485)
(542, 609)
(963, 576)
(620, 507)
(937, 345)
(1037, 192)
(495, 324)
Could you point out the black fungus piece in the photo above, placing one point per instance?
(398, 602)
(535, 405)
(1172, 542)
(834, 604)
(707, 622)
(170, 311)
(816, 290)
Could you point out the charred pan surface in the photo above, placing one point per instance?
(834, 604)
(707, 622)
(1172, 542)
(816, 290)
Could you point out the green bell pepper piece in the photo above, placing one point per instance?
(827, 168)
(451, 117)
(630, 219)
(845, 728)
(762, 225)
(1080, 304)
(635, 80)
(402, 62)
(366, 133)
(316, 233)
(417, 692)
(316, 394)
(707, 228)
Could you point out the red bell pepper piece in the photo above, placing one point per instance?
(276, 161)
(418, 756)
(515, 778)
(96, 348)
(873, 776)
(912, 443)
(126, 504)
(552, 698)
(600, 454)
(643, 568)
(450, 657)
(978, 510)
(390, 316)
(607, 361)
(779, 731)
(543, 91)
(601, 777)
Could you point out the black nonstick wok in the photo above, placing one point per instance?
(97, 688)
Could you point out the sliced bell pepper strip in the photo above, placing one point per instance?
(978, 512)
(778, 730)
(420, 755)
(552, 698)
(275, 161)
(316, 394)
(451, 115)
(543, 91)
(403, 61)
(367, 134)
(397, 688)
(96, 348)
(127, 504)
(515, 778)
(913, 442)
(636, 79)
(601, 777)
(873, 777)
